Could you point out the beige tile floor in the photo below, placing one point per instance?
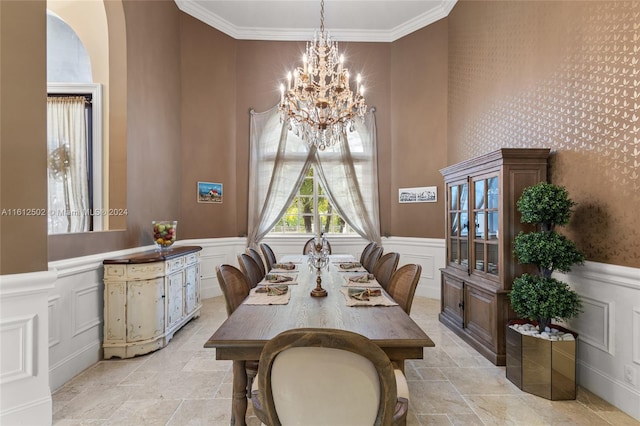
(183, 384)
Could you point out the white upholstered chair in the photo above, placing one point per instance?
(325, 377)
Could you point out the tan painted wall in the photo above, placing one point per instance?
(23, 152)
(419, 129)
(154, 168)
(563, 75)
(208, 136)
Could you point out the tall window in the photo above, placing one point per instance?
(343, 177)
(74, 134)
(300, 216)
(69, 143)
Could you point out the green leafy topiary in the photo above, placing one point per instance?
(545, 204)
(541, 297)
(549, 250)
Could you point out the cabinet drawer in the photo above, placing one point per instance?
(192, 258)
(144, 271)
(174, 265)
(115, 272)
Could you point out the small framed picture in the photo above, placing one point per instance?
(209, 192)
(423, 194)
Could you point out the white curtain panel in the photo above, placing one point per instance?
(67, 148)
(279, 161)
(349, 173)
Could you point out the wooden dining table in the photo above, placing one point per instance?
(245, 332)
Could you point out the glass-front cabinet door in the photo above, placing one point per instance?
(458, 221)
(485, 217)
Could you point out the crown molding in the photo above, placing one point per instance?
(295, 34)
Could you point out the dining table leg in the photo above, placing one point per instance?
(239, 397)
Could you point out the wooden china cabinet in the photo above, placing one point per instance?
(482, 221)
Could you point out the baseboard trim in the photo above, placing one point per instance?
(36, 412)
(626, 398)
(74, 364)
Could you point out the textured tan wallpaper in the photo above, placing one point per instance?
(563, 75)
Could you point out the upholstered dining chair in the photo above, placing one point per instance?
(403, 283)
(319, 376)
(256, 256)
(385, 267)
(269, 256)
(310, 242)
(235, 288)
(367, 251)
(250, 269)
(373, 257)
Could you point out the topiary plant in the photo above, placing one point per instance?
(539, 297)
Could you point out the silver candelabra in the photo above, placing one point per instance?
(318, 259)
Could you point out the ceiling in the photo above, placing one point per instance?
(296, 20)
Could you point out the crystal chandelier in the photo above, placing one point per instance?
(318, 102)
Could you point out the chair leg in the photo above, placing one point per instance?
(251, 375)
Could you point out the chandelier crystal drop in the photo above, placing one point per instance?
(317, 101)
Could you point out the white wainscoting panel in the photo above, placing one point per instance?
(215, 251)
(426, 252)
(86, 308)
(18, 334)
(594, 326)
(54, 326)
(636, 333)
(24, 325)
(608, 331)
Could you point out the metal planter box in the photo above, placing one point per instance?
(546, 368)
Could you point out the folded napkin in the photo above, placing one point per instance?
(288, 266)
(277, 278)
(350, 265)
(365, 278)
(364, 293)
(366, 297)
(273, 290)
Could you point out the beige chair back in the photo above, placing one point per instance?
(367, 251)
(325, 377)
(385, 267)
(403, 283)
(250, 269)
(269, 256)
(234, 285)
(256, 256)
(309, 244)
(373, 257)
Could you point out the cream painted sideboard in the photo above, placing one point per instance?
(147, 298)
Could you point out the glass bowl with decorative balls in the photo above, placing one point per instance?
(164, 233)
